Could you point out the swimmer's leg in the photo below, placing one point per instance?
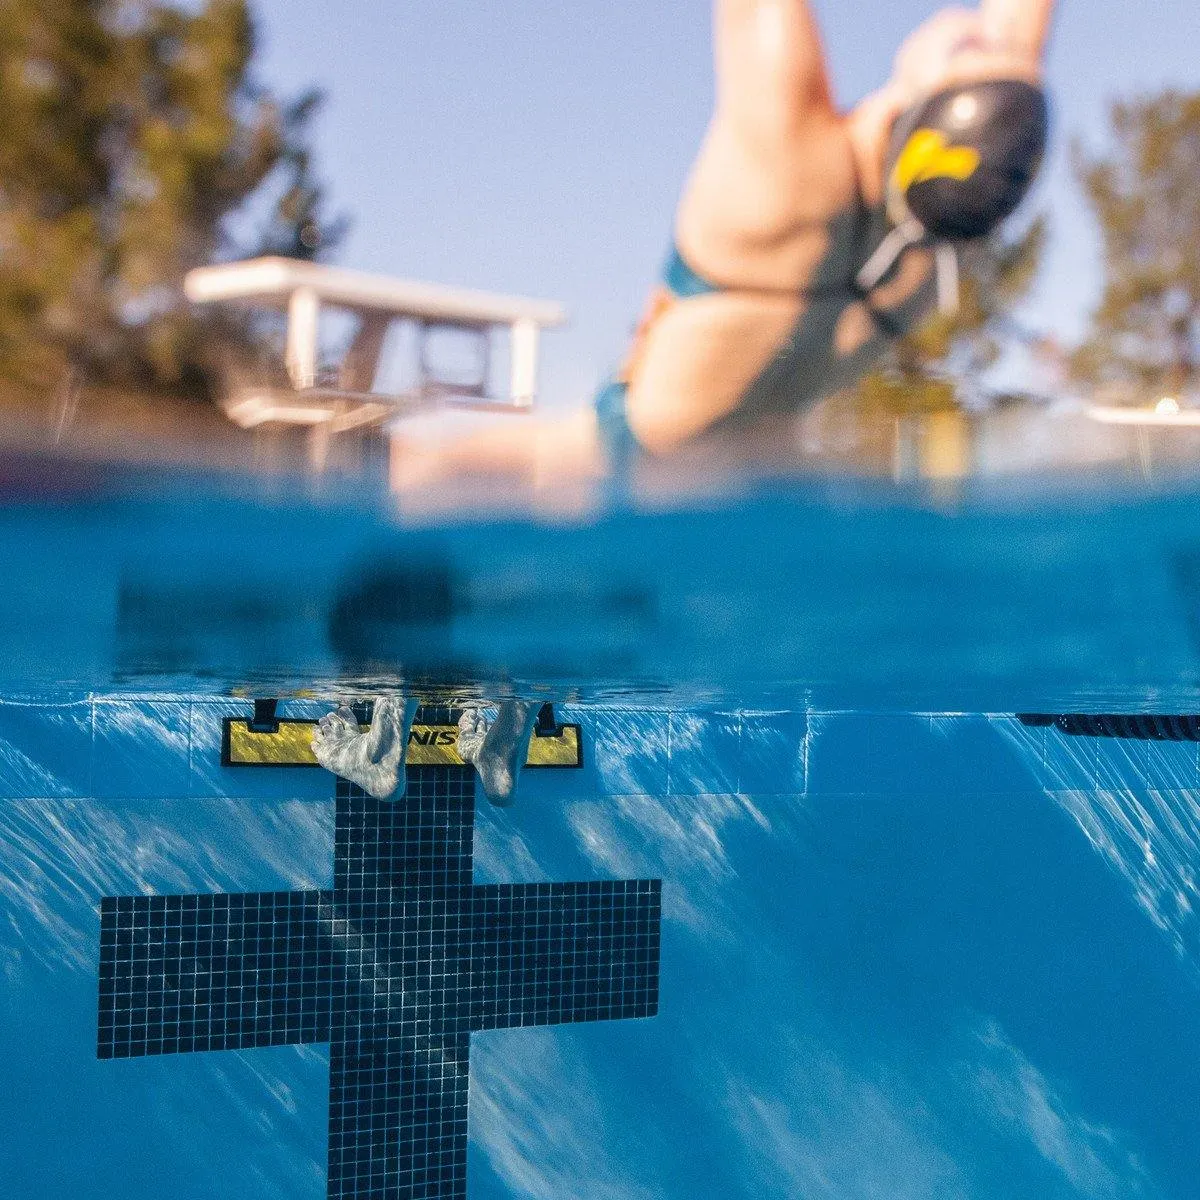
(373, 759)
(499, 751)
(770, 67)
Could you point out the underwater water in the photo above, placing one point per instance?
(833, 595)
(904, 955)
(911, 946)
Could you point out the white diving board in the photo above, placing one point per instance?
(302, 290)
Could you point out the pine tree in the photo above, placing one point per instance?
(131, 131)
(1145, 193)
(942, 361)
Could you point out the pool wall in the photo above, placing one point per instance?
(903, 954)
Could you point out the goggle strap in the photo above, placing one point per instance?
(909, 232)
(945, 257)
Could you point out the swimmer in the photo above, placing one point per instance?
(804, 240)
(375, 758)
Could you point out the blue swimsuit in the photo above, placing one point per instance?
(682, 282)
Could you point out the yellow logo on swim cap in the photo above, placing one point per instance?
(926, 155)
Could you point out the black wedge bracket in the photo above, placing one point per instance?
(264, 719)
(546, 725)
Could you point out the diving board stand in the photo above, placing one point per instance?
(303, 291)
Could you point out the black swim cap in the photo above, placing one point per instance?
(962, 160)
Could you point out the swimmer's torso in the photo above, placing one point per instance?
(781, 323)
(786, 205)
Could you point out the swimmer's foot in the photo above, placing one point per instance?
(372, 758)
(498, 751)
(472, 732)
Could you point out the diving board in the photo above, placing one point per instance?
(305, 290)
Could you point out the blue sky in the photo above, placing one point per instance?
(539, 147)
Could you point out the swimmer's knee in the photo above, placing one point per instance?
(961, 161)
(655, 425)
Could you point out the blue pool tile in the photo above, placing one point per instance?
(1076, 763)
(774, 750)
(1119, 764)
(1027, 744)
(988, 754)
(704, 749)
(142, 749)
(1125, 764)
(45, 749)
(835, 748)
(1071, 762)
(1172, 766)
(875, 752)
(626, 752)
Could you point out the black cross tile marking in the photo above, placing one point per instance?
(395, 967)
